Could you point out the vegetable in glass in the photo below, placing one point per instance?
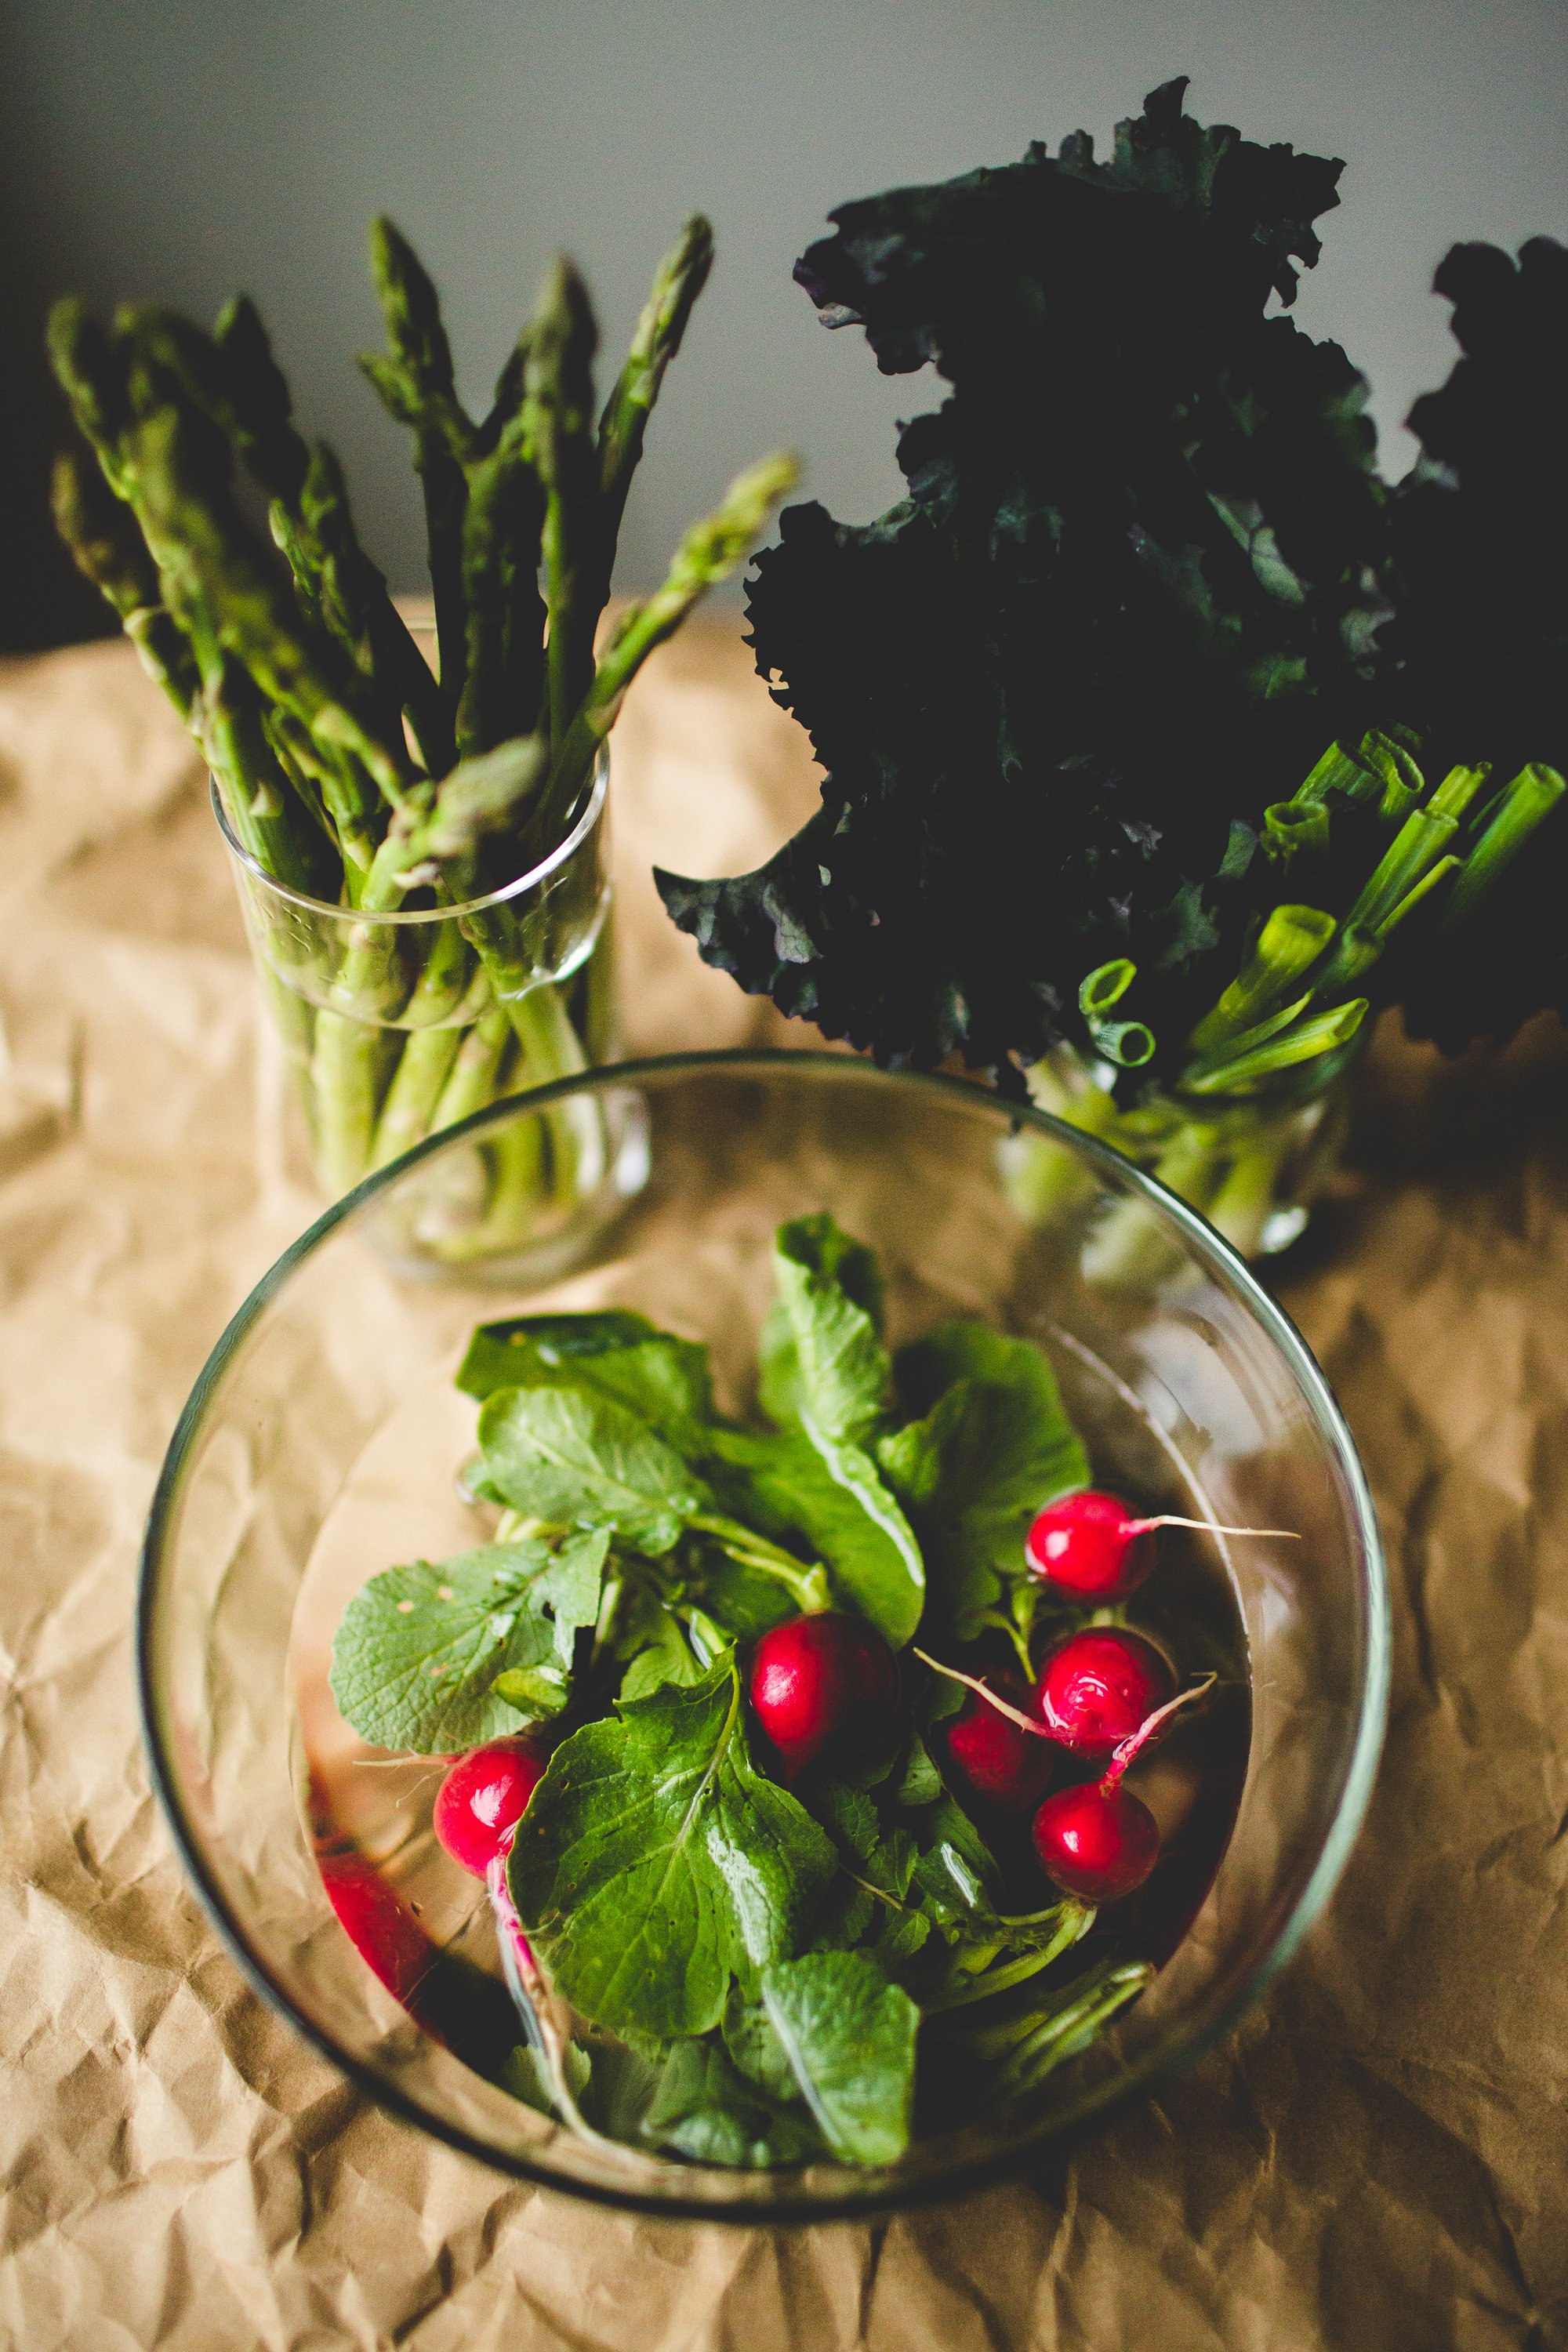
(1165, 741)
(762, 1895)
(364, 786)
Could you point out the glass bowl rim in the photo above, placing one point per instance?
(323, 909)
(1359, 1770)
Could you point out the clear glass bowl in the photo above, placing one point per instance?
(320, 1443)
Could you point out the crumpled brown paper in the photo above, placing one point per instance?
(1379, 2160)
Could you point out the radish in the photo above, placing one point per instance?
(1097, 1842)
(1100, 1686)
(483, 1797)
(378, 1923)
(1089, 1545)
(478, 1808)
(824, 1685)
(995, 1755)
(387, 1935)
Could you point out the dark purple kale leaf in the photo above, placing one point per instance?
(1127, 600)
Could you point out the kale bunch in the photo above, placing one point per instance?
(1145, 571)
(1479, 636)
(1131, 572)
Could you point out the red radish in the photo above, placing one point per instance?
(824, 1683)
(1097, 1842)
(1091, 1546)
(1100, 1687)
(478, 1808)
(378, 1923)
(383, 1931)
(482, 1799)
(995, 1755)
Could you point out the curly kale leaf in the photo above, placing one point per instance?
(1481, 635)
(1480, 638)
(1126, 599)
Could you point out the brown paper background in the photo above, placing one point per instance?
(1380, 2158)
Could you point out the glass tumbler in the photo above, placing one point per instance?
(396, 1026)
(1253, 1164)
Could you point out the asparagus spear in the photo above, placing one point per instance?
(482, 797)
(357, 608)
(233, 380)
(170, 464)
(556, 422)
(707, 553)
(679, 280)
(258, 408)
(98, 530)
(417, 383)
(91, 373)
(297, 677)
(214, 566)
(93, 370)
(312, 523)
(502, 525)
(228, 720)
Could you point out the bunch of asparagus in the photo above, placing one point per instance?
(349, 769)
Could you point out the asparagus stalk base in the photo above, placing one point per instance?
(395, 1030)
(370, 1094)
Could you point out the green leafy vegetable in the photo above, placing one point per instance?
(744, 1601)
(920, 1783)
(993, 1447)
(708, 1962)
(824, 1364)
(662, 1654)
(1480, 629)
(833, 1492)
(949, 1872)
(419, 1649)
(655, 1865)
(848, 2037)
(573, 1459)
(663, 1379)
(849, 1816)
(1131, 569)
(825, 1373)
(704, 2108)
(1066, 691)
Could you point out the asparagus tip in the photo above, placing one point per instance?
(68, 323)
(711, 548)
(563, 302)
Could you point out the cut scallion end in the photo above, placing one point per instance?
(1532, 795)
(1304, 1042)
(1291, 941)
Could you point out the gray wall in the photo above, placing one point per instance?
(179, 148)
